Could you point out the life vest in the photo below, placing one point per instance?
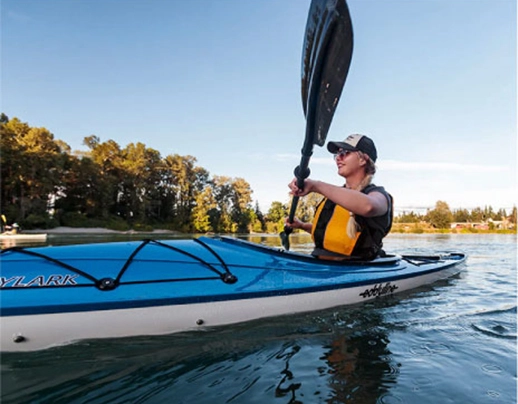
(329, 230)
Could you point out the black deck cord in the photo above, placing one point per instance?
(55, 261)
(226, 276)
(106, 284)
(145, 242)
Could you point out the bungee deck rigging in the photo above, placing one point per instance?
(106, 284)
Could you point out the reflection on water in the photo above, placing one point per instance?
(16, 242)
(409, 348)
(361, 366)
(286, 360)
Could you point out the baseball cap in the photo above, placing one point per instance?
(355, 143)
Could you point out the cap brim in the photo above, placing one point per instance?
(333, 147)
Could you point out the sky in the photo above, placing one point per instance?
(432, 82)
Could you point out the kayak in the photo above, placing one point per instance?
(52, 296)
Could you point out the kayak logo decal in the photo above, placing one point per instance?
(379, 290)
(40, 280)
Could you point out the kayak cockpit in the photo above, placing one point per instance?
(342, 261)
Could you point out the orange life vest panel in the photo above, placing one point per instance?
(330, 229)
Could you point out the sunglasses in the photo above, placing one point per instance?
(343, 153)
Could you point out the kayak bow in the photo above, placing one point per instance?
(56, 295)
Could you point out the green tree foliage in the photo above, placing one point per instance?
(278, 212)
(12, 154)
(258, 220)
(32, 165)
(233, 212)
(182, 181)
(461, 215)
(111, 184)
(205, 203)
(440, 217)
(307, 206)
(81, 189)
(276, 216)
(408, 217)
(513, 216)
(241, 211)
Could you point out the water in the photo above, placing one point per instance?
(453, 342)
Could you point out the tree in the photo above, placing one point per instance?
(275, 217)
(182, 181)
(12, 165)
(205, 203)
(258, 220)
(233, 199)
(476, 215)
(108, 158)
(80, 188)
(408, 217)
(32, 165)
(241, 211)
(140, 166)
(461, 215)
(513, 216)
(307, 206)
(440, 217)
(44, 164)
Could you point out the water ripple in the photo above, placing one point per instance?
(499, 323)
(498, 331)
(491, 368)
(493, 394)
(422, 381)
(429, 349)
(389, 399)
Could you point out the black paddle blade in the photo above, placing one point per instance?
(327, 53)
(285, 237)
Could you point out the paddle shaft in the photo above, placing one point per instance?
(302, 170)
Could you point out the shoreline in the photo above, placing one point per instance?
(93, 230)
(62, 230)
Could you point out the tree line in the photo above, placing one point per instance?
(441, 217)
(44, 184)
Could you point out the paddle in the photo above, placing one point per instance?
(326, 57)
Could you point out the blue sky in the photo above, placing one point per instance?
(433, 82)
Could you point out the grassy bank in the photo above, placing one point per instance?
(423, 227)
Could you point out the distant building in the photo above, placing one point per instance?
(470, 225)
(504, 224)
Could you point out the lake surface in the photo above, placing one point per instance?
(453, 342)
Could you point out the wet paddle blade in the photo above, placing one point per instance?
(285, 237)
